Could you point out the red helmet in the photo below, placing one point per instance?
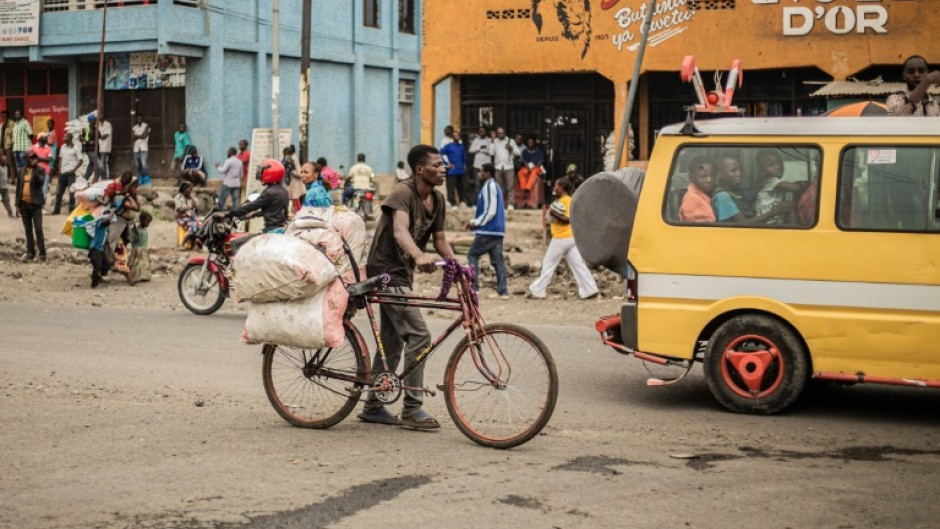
(272, 172)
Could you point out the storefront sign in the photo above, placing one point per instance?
(19, 22)
(801, 20)
(40, 109)
(133, 71)
(262, 149)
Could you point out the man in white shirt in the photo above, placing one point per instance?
(70, 158)
(480, 154)
(140, 134)
(104, 148)
(504, 152)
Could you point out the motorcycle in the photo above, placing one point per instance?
(204, 282)
(361, 202)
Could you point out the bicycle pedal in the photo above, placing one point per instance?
(430, 392)
(441, 387)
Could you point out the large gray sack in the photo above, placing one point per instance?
(603, 210)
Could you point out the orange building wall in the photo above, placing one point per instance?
(500, 36)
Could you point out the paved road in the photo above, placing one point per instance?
(157, 419)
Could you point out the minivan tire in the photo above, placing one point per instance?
(755, 364)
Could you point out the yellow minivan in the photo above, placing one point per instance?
(783, 249)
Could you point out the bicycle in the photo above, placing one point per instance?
(500, 383)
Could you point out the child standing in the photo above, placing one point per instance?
(140, 257)
(562, 246)
(697, 202)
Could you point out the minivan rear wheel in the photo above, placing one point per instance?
(755, 364)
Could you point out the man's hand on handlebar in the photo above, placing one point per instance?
(426, 263)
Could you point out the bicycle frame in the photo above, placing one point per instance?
(469, 318)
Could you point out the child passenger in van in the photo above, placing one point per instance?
(729, 200)
(773, 188)
(697, 204)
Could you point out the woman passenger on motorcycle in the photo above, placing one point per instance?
(272, 202)
(317, 196)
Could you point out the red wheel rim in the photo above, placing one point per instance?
(752, 366)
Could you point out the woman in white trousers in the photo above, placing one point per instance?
(562, 246)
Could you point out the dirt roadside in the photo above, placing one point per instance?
(66, 278)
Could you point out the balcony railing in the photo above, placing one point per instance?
(49, 6)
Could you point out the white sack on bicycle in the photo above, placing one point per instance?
(310, 223)
(309, 323)
(275, 267)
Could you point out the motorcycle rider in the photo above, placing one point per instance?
(272, 202)
(360, 177)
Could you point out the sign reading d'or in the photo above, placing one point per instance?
(802, 18)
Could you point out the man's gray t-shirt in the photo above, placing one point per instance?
(385, 256)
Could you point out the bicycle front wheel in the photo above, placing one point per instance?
(315, 388)
(501, 391)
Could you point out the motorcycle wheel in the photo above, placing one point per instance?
(188, 284)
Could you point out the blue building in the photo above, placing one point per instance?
(208, 63)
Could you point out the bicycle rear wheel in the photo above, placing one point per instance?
(308, 387)
(502, 391)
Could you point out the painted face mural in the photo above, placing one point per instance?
(574, 17)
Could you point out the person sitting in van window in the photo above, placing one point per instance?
(773, 188)
(697, 203)
(731, 205)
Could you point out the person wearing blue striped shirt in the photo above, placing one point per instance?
(489, 227)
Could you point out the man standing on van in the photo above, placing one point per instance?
(916, 101)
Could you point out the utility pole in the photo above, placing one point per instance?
(305, 78)
(276, 82)
(104, 23)
(634, 83)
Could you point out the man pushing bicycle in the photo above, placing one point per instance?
(411, 215)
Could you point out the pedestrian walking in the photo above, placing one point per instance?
(44, 153)
(4, 185)
(140, 135)
(96, 248)
(454, 155)
(6, 138)
(244, 155)
(104, 147)
(231, 179)
(29, 202)
(479, 155)
(504, 151)
(70, 158)
(22, 139)
(316, 196)
(562, 247)
(88, 147)
(489, 227)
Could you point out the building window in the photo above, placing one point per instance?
(370, 9)
(406, 91)
(406, 16)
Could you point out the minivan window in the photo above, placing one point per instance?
(744, 185)
(890, 188)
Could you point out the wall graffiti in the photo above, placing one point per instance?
(573, 17)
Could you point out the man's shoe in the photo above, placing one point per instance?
(27, 257)
(378, 416)
(495, 295)
(42, 259)
(511, 207)
(419, 420)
